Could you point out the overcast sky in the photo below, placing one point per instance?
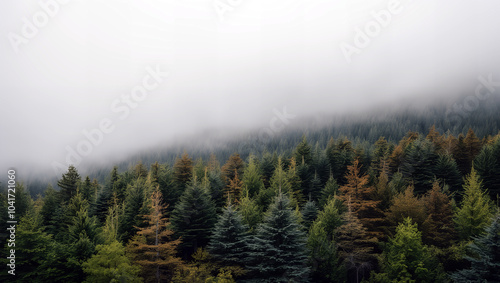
(71, 66)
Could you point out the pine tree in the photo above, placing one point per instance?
(86, 189)
(447, 172)
(250, 212)
(303, 151)
(252, 179)
(437, 139)
(362, 198)
(229, 241)
(233, 165)
(140, 170)
(294, 181)
(278, 252)
(323, 256)
(487, 164)
(405, 205)
(418, 165)
(183, 171)
(31, 245)
(110, 264)
(406, 259)
(330, 218)
(331, 189)
(135, 207)
(461, 156)
(472, 147)
(234, 188)
(309, 213)
(152, 248)
(193, 218)
(475, 211)
(380, 154)
(340, 155)
(68, 184)
(438, 228)
(355, 247)
(484, 258)
(49, 209)
(267, 166)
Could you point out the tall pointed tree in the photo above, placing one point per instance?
(476, 208)
(152, 247)
(193, 218)
(278, 252)
(485, 257)
(183, 171)
(68, 184)
(252, 179)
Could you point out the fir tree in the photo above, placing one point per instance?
(68, 184)
(183, 171)
(330, 218)
(447, 172)
(323, 256)
(152, 247)
(309, 213)
(193, 218)
(250, 212)
(485, 257)
(135, 208)
(234, 165)
(278, 252)
(252, 179)
(475, 211)
(406, 259)
(331, 189)
(405, 205)
(487, 164)
(234, 188)
(229, 241)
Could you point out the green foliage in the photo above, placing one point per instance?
(278, 251)
(250, 212)
(329, 191)
(252, 179)
(135, 208)
(193, 218)
(229, 241)
(484, 258)
(68, 184)
(323, 256)
(110, 264)
(406, 259)
(309, 213)
(476, 208)
(329, 219)
(418, 165)
(487, 164)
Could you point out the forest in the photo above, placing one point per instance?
(424, 208)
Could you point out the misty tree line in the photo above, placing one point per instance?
(422, 209)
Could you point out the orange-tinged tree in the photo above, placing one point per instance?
(183, 170)
(233, 190)
(152, 247)
(362, 198)
(404, 205)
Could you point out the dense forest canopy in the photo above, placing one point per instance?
(424, 208)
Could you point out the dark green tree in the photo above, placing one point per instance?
(485, 257)
(252, 179)
(323, 256)
(331, 189)
(68, 184)
(278, 251)
(193, 218)
(487, 164)
(309, 213)
(135, 209)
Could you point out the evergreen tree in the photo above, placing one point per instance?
(234, 165)
(152, 247)
(110, 264)
(303, 151)
(331, 189)
(405, 205)
(447, 172)
(485, 257)
(234, 188)
(183, 171)
(267, 166)
(438, 228)
(418, 165)
(193, 218)
(323, 256)
(49, 209)
(329, 219)
(363, 203)
(406, 259)
(355, 247)
(229, 241)
(250, 212)
(68, 184)
(252, 179)
(340, 155)
(86, 190)
(278, 252)
(309, 213)
(135, 208)
(476, 209)
(487, 164)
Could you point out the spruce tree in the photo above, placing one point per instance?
(135, 208)
(476, 209)
(309, 213)
(234, 165)
(250, 212)
(278, 251)
(153, 248)
(331, 189)
(487, 164)
(323, 256)
(68, 184)
(485, 257)
(407, 259)
(229, 241)
(252, 179)
(183, 171)
(405, 205)
(447, 172)
(193, 218)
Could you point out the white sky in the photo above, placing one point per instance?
(266, 54)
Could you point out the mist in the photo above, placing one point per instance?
(87, 82)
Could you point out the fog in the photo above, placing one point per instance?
(104, 79)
